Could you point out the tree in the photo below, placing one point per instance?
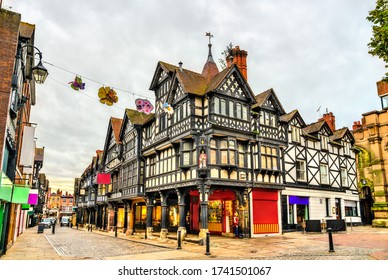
(379, 41)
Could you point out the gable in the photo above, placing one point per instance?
(234, 85)
(269, 101)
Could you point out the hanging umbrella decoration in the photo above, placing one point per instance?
(77, 84)
(143, 106)
(168, 109)
(107, 96)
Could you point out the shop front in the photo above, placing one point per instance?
(298, 210)
(265, 211)
(222, 206)
(140, 216)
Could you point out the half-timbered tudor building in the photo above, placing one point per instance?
(111, 166)
(213, 150)
(205, 161)
(320, 173)
(131, 184)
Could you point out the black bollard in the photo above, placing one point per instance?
(331, 245)
(179, 240)
(115, 231)
(207, 244)
(53, 228)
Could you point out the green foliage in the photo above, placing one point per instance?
(379, 42)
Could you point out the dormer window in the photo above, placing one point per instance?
(324, 143)
(268, 119)
(346, 148)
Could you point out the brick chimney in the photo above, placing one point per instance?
(239, 57)
(330, 120)
(356, 125)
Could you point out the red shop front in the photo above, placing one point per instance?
(220, 211)
(265, 211)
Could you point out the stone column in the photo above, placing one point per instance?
(204, 202)
(163, 230)
(125, 217)
(182, 214)
(149, 228)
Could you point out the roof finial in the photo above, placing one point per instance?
(210, 36)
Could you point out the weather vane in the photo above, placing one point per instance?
(210, 36)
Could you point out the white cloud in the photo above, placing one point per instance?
(313, 53)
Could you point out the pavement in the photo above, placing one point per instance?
(357, 243)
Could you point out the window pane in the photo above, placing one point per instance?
(245, 113)
(232, 158)
(216, 105)
(224, 144)
(231, 109)
(224, 157)
(263, 162)
(238, 110)
(213, 143)
(186, 146)
(213, 159)
(241, 162)
(186, 158)
(231, 144)
(223, 107)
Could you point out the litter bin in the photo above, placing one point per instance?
(40, 228)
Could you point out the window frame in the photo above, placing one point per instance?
(300, 170)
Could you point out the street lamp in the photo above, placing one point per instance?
(39, 72)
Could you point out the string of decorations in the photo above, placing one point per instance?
(107, 95)
(83, 93)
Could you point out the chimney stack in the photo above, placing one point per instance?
(356, 125)
(239, 57)
(330, 120)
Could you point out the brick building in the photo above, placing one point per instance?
(20, 160)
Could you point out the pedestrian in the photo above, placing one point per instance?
(235, 224)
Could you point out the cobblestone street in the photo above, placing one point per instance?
(358, 243)
(84, 245)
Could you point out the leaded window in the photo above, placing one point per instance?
(269, 157)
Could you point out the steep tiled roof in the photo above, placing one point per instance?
(210, 68)
(116, 125)
(217, 79)
(338, 134)
(287, 117)
(314, 127)
(262, 97)
(136, 117)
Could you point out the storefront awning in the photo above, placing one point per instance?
(13, 193)
(293, 199)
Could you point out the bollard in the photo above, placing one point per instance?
(331, 245)
(207, 244)
(53, 228)
(179, 240)
(115, 231)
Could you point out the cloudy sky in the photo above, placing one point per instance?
(313, 53)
